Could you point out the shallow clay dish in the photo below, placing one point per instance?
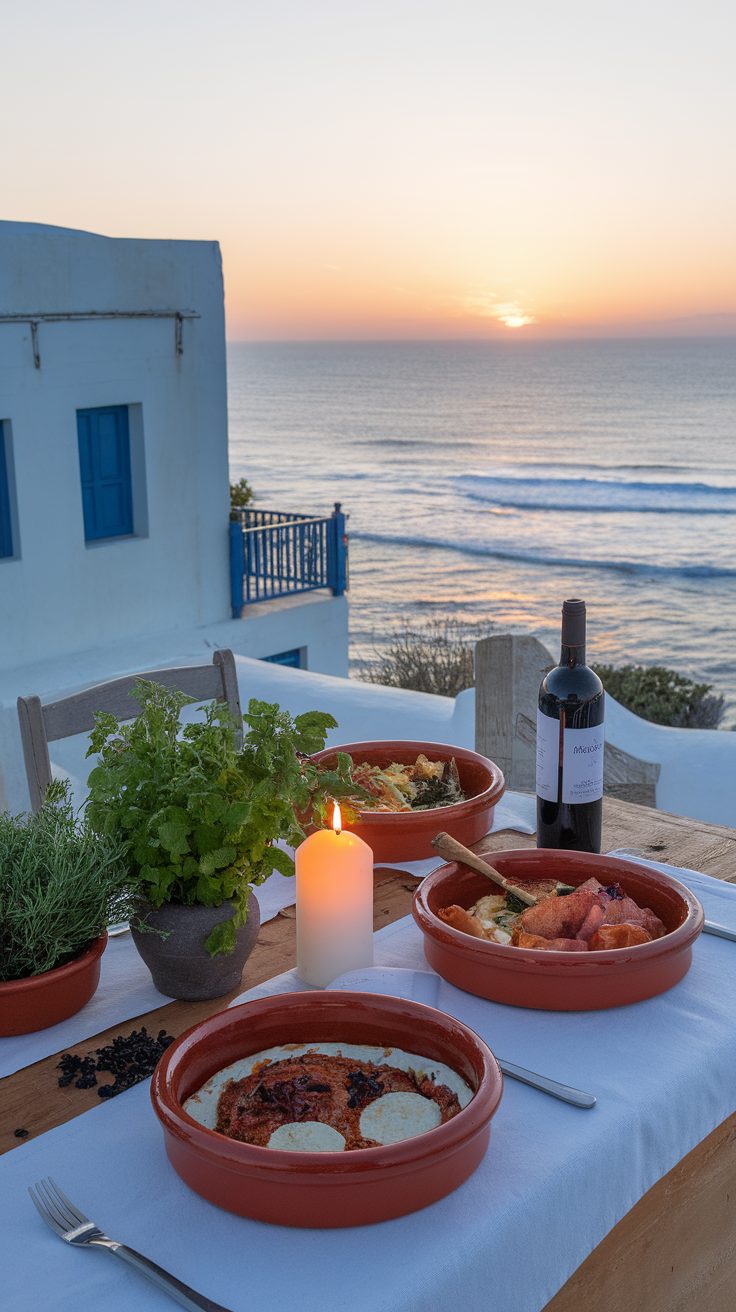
(319, 1189)
(559, 981)
(39, 1001)
(407, 835)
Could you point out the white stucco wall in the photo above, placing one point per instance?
(59, 595)
(73, 614)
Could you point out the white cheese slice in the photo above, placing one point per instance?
(307, 1137)
(397, 1116)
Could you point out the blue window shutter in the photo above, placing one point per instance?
(6, 528)
(104, 466)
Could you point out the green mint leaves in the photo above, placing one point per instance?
(198, 814)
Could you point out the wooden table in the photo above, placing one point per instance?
(675, 1251)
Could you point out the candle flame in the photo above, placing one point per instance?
(336, 818)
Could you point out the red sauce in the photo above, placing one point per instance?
(317, 1087)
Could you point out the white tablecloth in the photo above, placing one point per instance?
(554, 1181)
(126, 988)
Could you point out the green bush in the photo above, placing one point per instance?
(437, 657)
(663, 696)
(434, 657)
(241, 494)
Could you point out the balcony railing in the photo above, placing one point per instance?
(276, 554)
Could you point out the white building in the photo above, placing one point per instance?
(114, 540)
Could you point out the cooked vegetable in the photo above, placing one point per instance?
(420, 786)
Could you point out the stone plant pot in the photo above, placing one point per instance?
(180, 964)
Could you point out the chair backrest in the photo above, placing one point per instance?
(508, 671)
(41, 724)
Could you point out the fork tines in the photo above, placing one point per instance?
(56, 1209)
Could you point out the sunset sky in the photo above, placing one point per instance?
(395, 168)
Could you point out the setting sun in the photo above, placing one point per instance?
(516, 320)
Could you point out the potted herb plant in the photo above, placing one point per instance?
(199, 809)
(60, 885)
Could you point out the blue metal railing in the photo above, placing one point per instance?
(277, 554)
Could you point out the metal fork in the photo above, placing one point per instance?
(70, 1224)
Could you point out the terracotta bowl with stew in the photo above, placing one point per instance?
(407, 835)
(559, 981)
(321, 1189)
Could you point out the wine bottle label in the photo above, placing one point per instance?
(582, 764)
(548, 756)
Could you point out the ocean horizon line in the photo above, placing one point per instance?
(512, 336)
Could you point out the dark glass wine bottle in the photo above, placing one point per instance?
(570, 745)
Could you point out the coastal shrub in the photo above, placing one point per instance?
(434, 657)
(437, 657)
(241, 494)
(661, 695)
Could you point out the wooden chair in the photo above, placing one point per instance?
(508, 672)
(40, 725)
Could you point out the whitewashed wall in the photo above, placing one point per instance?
(59, 595)
(73, 614)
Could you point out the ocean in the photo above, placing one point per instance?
(487, 481)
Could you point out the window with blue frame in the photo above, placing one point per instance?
(6, 526)
(293, 658)
(104, 463)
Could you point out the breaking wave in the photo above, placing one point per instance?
(470, 548)
(597, 494)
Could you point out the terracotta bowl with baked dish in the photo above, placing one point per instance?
(321, 1189)
(552, 980)
(407, 835)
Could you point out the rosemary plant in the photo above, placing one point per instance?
(60, 885)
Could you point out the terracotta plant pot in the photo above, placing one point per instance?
(180, 964)
(39, 1001)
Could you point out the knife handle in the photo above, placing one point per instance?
(711, 927)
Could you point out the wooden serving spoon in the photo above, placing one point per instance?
(451, 850)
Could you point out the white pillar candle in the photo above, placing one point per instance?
(334, 905)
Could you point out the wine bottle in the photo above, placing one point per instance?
(570, 744)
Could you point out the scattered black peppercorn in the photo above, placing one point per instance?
(69, 1066)
(22, 1133)
(130, 1058)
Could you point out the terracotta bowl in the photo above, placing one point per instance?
(559, 981)
(39, 1001)
(407, 835)
(322, 1189)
